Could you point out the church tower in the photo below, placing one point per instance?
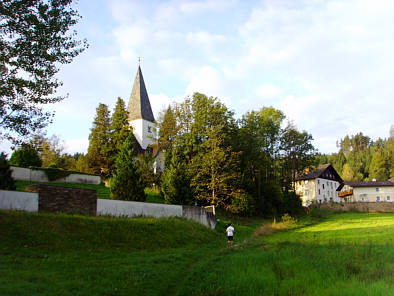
(140, 113)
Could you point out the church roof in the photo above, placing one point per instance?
(139, 105)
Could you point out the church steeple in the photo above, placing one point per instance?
(139, 105)
(141, 117)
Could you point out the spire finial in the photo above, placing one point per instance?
(139, 61)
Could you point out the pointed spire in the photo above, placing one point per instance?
(139, 106)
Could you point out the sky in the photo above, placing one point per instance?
(328, 65)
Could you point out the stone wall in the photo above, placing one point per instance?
(65, 199)
(16, 200)
(37, 175)
(382, 207)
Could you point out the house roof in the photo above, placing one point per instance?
(324, 171)
(139, 105)
(370, 184)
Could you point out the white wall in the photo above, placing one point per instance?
(370, 194)
(26, 174)
(17, 200)
(307, 191)
(141, 132)
(132, 208)
(326, 190)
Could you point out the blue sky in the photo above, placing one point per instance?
(328, 65)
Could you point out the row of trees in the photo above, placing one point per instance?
(244, 166)
(361, 159)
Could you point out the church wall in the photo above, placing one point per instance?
(144, 132)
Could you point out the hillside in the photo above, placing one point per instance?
(67, 233)
(321, 254)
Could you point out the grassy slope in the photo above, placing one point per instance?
(345, 254)
(46, 254)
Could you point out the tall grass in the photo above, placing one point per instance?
(341, 254)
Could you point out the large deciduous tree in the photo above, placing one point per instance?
(35, 38)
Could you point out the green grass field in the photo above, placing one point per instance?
(334, 254)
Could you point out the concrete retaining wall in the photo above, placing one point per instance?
(35, 175)
(199, 215)
(119, 208)
(133, 208)
(382, 207)
(51, 198)
(16, 200)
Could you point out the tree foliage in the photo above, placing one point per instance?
(126, 182)
(99, 150)
(361, 159)
(35, 38)
(240, 166)
(6, 180)
(25, 156)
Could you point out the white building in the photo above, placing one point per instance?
(370, 191)
(318, 185)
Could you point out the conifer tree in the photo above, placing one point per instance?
(126, 182)
(120, 129)
(6, 180)
(99, 142)
(175, 180)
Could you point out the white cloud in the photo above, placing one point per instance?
(201, 6)
(72, 146)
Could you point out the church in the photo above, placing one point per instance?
(141, 120)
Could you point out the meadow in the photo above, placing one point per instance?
(321, 254)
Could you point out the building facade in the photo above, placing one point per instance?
(370, 191)
(318, 185)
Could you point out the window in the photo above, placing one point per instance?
(363, 199)
(378, 198)
(388, 198)
(319, 191)
(318, 181)
(149, 129)
(377, 189)
(323, 186)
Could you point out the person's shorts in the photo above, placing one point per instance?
(230, 238)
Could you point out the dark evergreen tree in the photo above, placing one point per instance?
(99, 142)
(175, 180)
(120, 129)
(6, 180)
(126, 182)
(25, 156)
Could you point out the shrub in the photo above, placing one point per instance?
(126, 182)
(25, 156)
(6, 180)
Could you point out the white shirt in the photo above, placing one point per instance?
(230, 231)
